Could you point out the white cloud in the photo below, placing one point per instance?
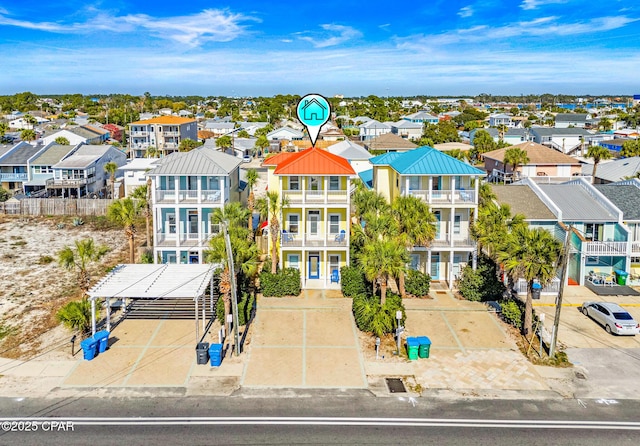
(210, 25)
(465, 12)
(543, 27)
(344, 34)
(534, 4)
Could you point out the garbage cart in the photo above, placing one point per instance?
(412, 347)
(102, 338)
(89, 348)
(202, 352)
(424, 345)
(215, 355)
(621, 277)
(536, 288)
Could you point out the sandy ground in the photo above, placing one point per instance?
(33, 287)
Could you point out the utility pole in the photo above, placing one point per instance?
(234, 298)
(563, 279)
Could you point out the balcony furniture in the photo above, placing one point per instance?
(335, 276)
(341, 236)
(609, 280)
(286, 237)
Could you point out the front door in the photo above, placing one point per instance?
(314, 266)
(192, 225)
(435, 266)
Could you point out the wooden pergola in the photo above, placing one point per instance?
(151, 281)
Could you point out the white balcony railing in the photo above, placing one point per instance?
(635, 248)
(552, 287)
(298, 239)
(462, 196)
(189, 239)
(604, 248)
(317, 196)
(14, 176)
(457, 243)
(206, 196)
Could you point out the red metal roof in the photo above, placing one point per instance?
(278, 158)
(314, 161)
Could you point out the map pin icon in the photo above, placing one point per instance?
(313, 111)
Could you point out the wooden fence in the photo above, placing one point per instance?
(56, 206)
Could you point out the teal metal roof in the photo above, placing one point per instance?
(367, 178)
(425, 160)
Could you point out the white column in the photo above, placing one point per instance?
(450, 229)
(453, 189)
(93, 317)
(406, 186)
(429, 262)
(477, 188)
(430, 184)
(108, 315)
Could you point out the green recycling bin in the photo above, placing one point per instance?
(424, 346)
(413, 346)
(621, 277)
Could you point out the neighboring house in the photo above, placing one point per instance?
(316, 223)
(372, 129)
(285, 133)
(186, 188)
(543, 162)
(79, 135)
(82, 172)
(219, 128)
(614, 170)
(357, 155)
(626, 133)
(407, 129)
(565, 120)
(241, 146)
(14, 165)
(450, 187)
(446, 146)
(613, 144)
(599, 237)
(389, 142)
(115, 131)
(569, 140)
(421, 117)
(626, 196)
(41, 166)
(516, 136)
(331, 134)
(22, 124)
(251, 127)
(164, 133)
(500, 119)
(134, 173)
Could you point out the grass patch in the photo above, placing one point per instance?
(6, 330)
(45, 260)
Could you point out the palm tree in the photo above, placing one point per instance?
(111, 169)
(125, 212)
(515, 156)
(531, 254)
(598, 153)
(143, 195)
(76, 315)
(275, 206)
(62, 141)
(224, 142)
(28, 135)
(80, 257)
(245, 252)
(4, 127)
(252, 179)
(492, 227)
(382, 259)
(416, 225)
(152, 152)
(366, 200)
(630, 148)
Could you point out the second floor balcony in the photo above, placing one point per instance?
(635, 249)
(189, 196)
(68, 182)
(453, 242)
(604, 248)
(299, 239)
(456, 196)
(316, 196)
(14, 177)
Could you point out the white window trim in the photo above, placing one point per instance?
(329, 223)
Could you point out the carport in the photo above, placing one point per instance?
(150, 281)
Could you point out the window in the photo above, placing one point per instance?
(435, 183)
(294, 183)
(334, 224)
(414, 183)
(294, 221)
(334, 183)
(294, 261)
(314, 183)
(214, 183)
(456, 224)
(594, 232)
(171, 223)
(334, 262)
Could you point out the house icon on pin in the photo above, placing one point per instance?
(313, 110)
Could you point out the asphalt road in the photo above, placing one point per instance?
(319, 418)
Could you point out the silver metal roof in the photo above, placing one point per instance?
(200, 161)
(149, 281)
(576, 204)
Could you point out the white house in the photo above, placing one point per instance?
(407, 129)
(372, 129)
(134, 173)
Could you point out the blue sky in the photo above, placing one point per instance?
(439, 47)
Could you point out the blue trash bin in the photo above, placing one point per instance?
(102, 338)
(89, 348)
(536, 288)
(215, 354)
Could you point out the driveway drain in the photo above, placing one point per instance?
(395, 385)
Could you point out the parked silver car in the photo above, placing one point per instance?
(612, 317)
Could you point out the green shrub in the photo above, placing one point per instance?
(370, 316)
(146, 257)
(44, 260)
(76, 315)
(245, 306)
(283, 283)
(482, 284)
(353, 281)
(512, 312)
(417, 283)
(6, 330)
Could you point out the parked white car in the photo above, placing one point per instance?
(612, 317)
